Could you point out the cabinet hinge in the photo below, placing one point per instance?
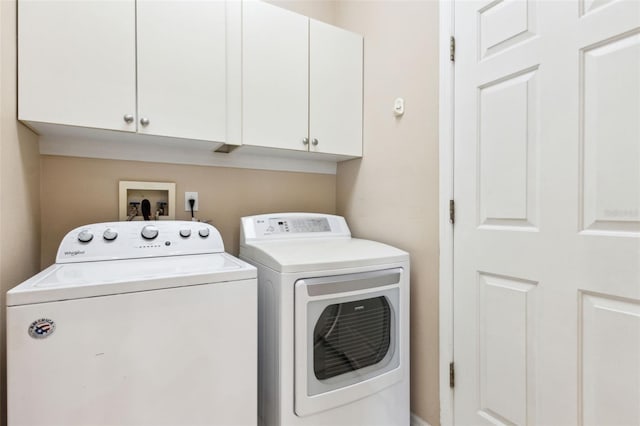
(452, 375)
(452, 48)
(452, 211)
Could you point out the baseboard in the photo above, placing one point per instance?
(417, 421)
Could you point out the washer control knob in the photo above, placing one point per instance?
(110, 234)
(149, 232)
(204, 232)
(185, 233)
(85, 236)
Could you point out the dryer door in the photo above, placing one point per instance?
(346, 341)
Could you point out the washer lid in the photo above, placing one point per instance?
(321, 254)
(90, 279)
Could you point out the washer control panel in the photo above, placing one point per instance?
(132, 240)
(292, 225)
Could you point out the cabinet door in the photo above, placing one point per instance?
(275, 77)
(77, 63)
(181, 69)
(335, 90)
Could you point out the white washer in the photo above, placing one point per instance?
(135, 324)
(334, 323)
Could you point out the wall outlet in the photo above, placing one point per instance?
(188, 196)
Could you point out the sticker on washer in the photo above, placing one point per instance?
(42, 328)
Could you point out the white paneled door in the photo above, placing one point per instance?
(547, 232)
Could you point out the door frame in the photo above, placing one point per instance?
(446, 183)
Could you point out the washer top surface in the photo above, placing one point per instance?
(91, 279)
(132, 262)
(305, 242)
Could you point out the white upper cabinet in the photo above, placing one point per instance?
(181, 69)
(234, 72)
(275, 77)
(335, 90)
(87, 63)
(302, 83)
(77, 63)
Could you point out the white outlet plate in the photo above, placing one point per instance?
(187, 197)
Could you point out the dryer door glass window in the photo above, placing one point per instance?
(350, 336)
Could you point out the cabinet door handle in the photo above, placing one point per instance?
(144, 121)
(305, 141)
(314, 142)
(128, 118)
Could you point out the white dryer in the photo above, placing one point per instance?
(333, 323)
(136, 323)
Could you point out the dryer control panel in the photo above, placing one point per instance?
(298, 224)
(278, 226)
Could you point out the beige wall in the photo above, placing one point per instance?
(19, 184)
(78, 191)
(391, 194)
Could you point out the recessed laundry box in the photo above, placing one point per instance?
(334, 322)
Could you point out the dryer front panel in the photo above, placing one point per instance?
(346, 338)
